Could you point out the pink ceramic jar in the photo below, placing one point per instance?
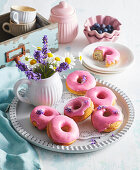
(65, 16)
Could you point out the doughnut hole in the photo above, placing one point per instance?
(80, 80)
(101, 95)
(66, 128)
(106, 113)
(77, 105)
(48, 113)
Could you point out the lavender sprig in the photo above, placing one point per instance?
(63, 66)
(31, 75)
(22, 66)
(45, 39)
(38, 56)
(45, 51)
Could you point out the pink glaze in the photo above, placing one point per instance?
(43, 119)
(100, 122)
(111, 55)
(60, 136)
(101, 96)
(72, 81)
(77, 106)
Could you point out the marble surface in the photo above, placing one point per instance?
(125, 154)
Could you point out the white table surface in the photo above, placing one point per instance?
(125, 154)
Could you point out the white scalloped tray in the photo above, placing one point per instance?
(19, 114)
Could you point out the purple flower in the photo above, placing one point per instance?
(112, 135)
(39, 112)
(68, 109)
(115, 112)
(31, 75)
(93, 141)
(22, 66)
(86, 101)
(63, 66)
(83, 79)
(99, 107)
(45, 39)
(38, 56)
(104, 107)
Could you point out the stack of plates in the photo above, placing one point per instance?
(126, 58)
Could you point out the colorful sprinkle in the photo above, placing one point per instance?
(112, 135)
(39, 112)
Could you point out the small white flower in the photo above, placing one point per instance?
(50, 59)
(52, 67)
(58, 60)
(80, 57)
(29, 61)
(70, 60)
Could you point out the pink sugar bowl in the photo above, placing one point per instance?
(65, 15)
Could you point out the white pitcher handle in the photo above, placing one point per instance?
(24, 99)
(14, 16)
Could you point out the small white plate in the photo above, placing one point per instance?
(19, 115)
(126, 58)
(99, 71)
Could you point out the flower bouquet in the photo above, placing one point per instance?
(44, 64)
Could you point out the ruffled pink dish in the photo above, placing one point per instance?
(94, 36)
(93, 39)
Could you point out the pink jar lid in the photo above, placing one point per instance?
(63, 9)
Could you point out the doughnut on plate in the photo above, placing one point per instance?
(90, 140)
(126, 58)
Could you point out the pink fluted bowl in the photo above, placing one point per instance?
(94, 36)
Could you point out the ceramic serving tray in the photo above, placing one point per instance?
(126, 58)
(89, 140)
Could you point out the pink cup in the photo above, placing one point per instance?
(66, 18)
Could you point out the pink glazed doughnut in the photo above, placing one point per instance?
(108, 54)
(78, 82)
(41, 115)
(63, 130)
(101, 96)
(79, 108)
(106, 118)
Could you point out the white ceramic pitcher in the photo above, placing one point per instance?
(41, 92)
